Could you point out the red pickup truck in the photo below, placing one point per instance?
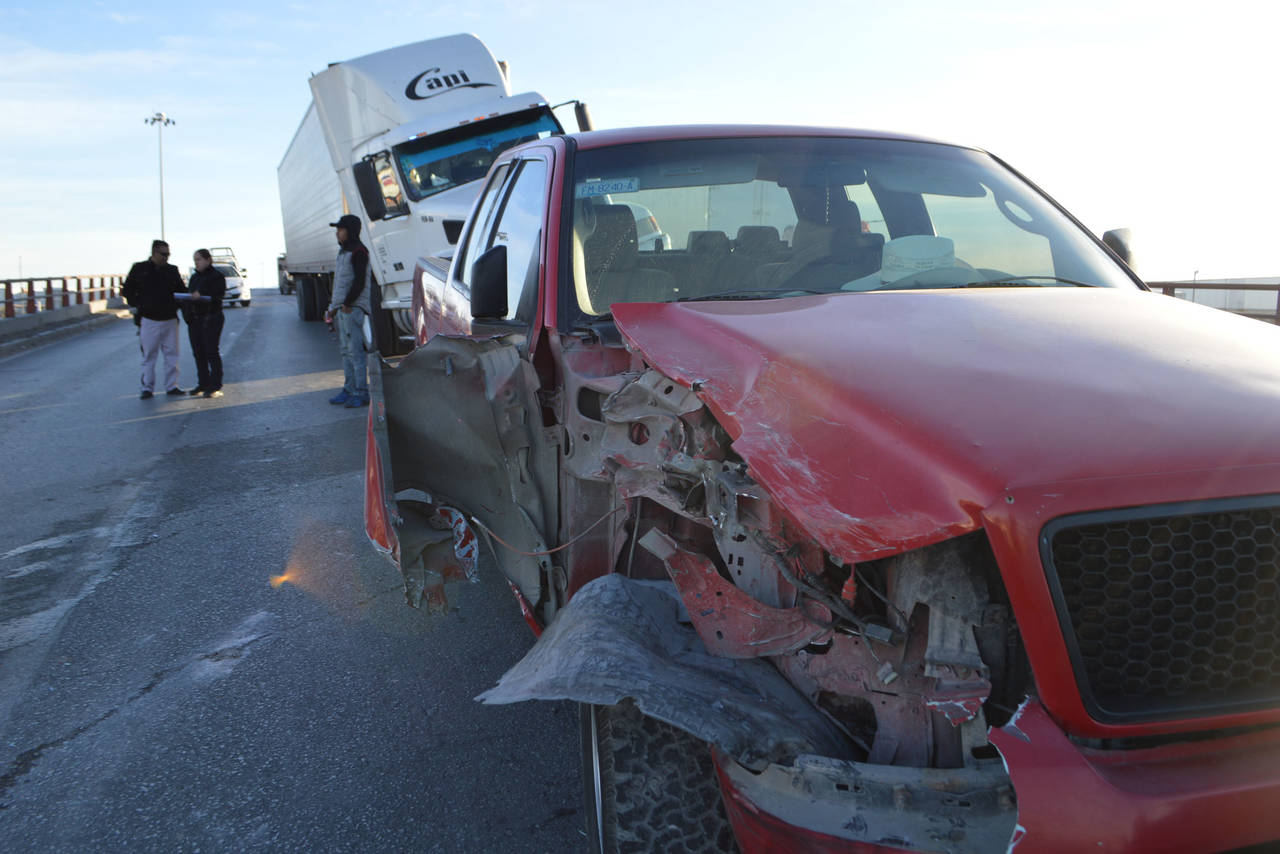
(877, 506)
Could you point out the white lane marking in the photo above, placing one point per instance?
(32, 627)
(55, 542)
(27, 569)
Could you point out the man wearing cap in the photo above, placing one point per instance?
(352, 283)
(149, 288)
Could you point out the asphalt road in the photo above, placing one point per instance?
(159, 693)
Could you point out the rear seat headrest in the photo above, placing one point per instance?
(708, 243)
(757, 240)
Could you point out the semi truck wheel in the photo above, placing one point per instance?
(305, 294)
(323, 290)
(385, 333)
(648, 786)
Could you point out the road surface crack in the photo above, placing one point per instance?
(24, 762)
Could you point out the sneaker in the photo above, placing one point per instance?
(146, 395)
(356, 401)
(197, 391)
(213, 392)
(174, 392)
(340, 398)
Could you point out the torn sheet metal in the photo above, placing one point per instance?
(620, 638)
(437, 547)
(462, 428)
(729, 622)
(649, 393)
(960, 702)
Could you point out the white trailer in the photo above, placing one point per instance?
(310, 199)
(407, 133)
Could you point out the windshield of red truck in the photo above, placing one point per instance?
(761, 218)
(454, 157)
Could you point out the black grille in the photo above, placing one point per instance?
(1173, 610)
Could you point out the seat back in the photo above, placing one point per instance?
(707, 265)
(760, 242)
(611, 260)
(827, 254)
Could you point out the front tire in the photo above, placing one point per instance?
(244, 302)
(385, 334)
(648, 786)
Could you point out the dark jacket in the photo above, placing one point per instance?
(211, 284)
(150, 290)
(352, 277)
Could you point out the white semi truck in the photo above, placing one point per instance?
(399, 138)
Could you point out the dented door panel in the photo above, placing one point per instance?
(459, 437)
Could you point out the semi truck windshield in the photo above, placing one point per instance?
(454, 157)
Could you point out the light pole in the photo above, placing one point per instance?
(1193, 276)
(160, 120)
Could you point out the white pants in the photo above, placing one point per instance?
(159, 336)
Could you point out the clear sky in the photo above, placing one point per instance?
(1159, 116)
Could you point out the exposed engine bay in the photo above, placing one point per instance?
(912, 657)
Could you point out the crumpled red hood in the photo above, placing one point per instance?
(887, 421)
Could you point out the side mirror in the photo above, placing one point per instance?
(583, 116)
(489, 284)
(370, 189)
(1120, 241)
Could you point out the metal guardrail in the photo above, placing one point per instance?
(45, 293)
(1170, 289)
(63, 291)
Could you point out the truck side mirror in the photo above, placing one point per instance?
(1120, 241)
(583, 116)
(489, 284)
(370, 189)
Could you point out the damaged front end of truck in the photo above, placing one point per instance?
(867, 508)
(730, 544)
(869, 684)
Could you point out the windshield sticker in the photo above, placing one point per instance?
(603, 187)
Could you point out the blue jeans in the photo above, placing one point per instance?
(351, 340)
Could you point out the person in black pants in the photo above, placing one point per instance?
(204, 323)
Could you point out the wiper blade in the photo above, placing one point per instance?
(749, 293)
(1023, 282)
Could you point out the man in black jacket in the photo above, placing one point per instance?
(149, 288)
(204, 323)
